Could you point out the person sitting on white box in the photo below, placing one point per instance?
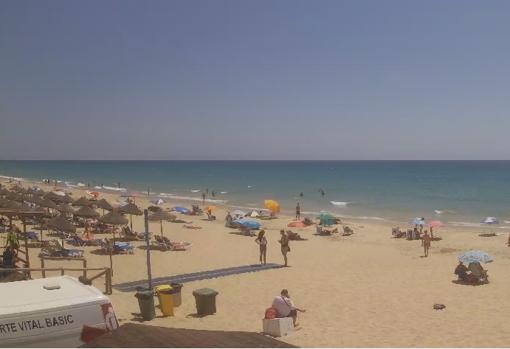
(284, 306)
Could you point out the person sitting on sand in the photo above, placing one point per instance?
(461, 271)
(477, 271)
(285, 308)
(426, 243)
(262, 242)
(285, 248)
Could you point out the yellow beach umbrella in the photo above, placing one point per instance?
(272, 206)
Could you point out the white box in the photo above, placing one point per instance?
(278, 327)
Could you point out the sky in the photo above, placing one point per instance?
(342, 80)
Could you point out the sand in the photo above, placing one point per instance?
(364, 290)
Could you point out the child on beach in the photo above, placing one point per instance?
(284, 242)
(262, 242)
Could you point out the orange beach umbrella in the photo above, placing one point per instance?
(272, 206)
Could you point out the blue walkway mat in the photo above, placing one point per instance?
(201, 275)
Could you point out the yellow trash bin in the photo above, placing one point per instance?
(165, 297)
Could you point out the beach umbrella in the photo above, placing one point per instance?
(114, 218)
(83, 201)
(248, 223)
(94, 194)
(326, 218)
(158, 202)
(154, 208)
(161, 216)
(15, 196)
(4, 192)
(86, 212)
(104, 205)
(272, 206)
(64, 208)
(60, 223)
(298, 224)
(490, 220)
(475, 256)
(46, 203)
(131, 209)
(180, 209)
(211, 208)
(418, 221)
(435, 224)
(66, 199)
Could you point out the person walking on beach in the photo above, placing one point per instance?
(298, 212)
(284, 242)
(426, 243)
(285, 308)
(262, 242)
(203, 198)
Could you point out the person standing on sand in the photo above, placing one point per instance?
(426, 243)
(285, 308)
(203, 198)
(262, 242)
(298, 212)
(284, 242)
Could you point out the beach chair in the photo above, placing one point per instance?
(164, 244)
(123, 248)
(128, 234)
(55, 249)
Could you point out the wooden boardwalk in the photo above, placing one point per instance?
(134, 335)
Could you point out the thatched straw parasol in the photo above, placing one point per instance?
(131, 209)
(83, 201)
(161, 216)
(64, 208)
(86, 212)
(103, 204)
(60, 223)
(113, 218)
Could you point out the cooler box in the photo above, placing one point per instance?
(278, 327)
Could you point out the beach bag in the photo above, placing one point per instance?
(270, 313)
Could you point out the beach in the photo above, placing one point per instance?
(367, 289)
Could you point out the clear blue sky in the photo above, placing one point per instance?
(254, 79)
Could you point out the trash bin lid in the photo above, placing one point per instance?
(144, 294)
(163, 288)
(205, 292)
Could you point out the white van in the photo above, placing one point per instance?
(53, 312)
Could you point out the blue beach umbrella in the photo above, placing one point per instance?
(418, 221)
(180, 209)
(475, 256)
(248, 224)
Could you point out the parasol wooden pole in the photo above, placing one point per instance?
(148, 249)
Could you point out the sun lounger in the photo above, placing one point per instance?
(128, 234)
(164, 244)
(123, 248)
(325, 232)
(55, 249)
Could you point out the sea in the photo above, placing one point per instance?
(455, 192)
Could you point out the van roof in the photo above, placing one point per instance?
(33, 295)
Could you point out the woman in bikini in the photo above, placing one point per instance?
(262, 242)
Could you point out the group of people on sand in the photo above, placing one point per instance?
(472, 274)
(284, 241)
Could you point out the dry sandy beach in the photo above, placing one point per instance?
(364, 290)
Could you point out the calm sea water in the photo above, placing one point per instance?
(465, 191)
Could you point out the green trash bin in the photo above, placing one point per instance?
(146, 303)
(176, 293)
(205, 299)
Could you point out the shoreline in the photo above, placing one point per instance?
(172, 201)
